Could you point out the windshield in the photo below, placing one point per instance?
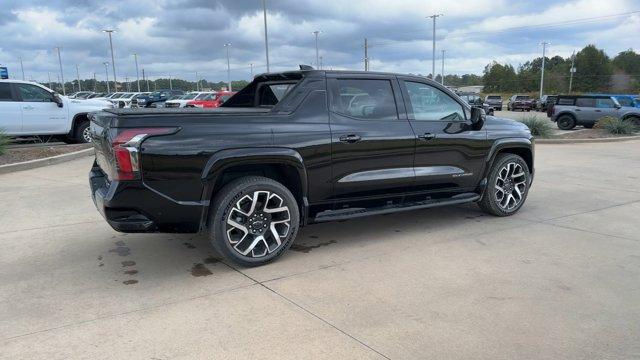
(189, 96)
(117, 95)
(522, 97)
(202, 96)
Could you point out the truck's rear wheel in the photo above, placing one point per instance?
(566, 122)
(253, 220)
(507, 186)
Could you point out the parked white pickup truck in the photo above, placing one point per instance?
(28, 108)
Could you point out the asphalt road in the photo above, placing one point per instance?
(559, 280)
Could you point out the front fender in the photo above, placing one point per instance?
(521, 144)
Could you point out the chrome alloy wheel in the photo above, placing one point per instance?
(86, 134)
(510, 186)
(257, 224)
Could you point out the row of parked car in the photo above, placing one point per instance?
(526, 103)
(157, 99)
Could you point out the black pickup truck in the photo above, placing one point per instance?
(302, 147)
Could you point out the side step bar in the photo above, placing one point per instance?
(350, 213)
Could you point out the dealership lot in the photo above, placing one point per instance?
(557, 280)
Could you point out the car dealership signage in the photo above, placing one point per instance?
(4, 74)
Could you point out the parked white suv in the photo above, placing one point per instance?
(28, 108)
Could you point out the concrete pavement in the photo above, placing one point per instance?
(561, 279)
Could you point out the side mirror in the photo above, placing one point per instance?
(57, 99)
(478, 117)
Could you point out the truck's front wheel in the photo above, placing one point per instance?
(82, 134)
(253, 220)
(507, 186)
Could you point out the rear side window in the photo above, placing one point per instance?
(431, 104)
(565, 101)
(366, 99)
(271, 94)
(586, 102)
(5, 92)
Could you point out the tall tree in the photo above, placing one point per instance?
(593, 70)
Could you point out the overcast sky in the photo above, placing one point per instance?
(179, 38)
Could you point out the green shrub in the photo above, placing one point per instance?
(616, 126)
(540, 128)
(4, 141)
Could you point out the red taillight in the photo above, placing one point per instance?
(125, 149)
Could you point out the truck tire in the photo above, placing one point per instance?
(253, 220)
(634, 120)
(566, 122)
(81, 135)
(507, 186)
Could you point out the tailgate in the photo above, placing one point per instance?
(100, 138)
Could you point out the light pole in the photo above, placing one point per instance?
(95, 83)
(227, 46)
(135, 56)
(266, 36)
(170, 83)
(544, 49)
(366, 55)
(320, 62)
(78, 77)
(572, 70)
(113, 60)
(317, 54)
(251, 70)
(61, 73)
(22, 67)
(106, 72)
(50, 85)
(433, 67)
(442, 73)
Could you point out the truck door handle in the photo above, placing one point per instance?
(351, 138)
(598, 110)
(427, 136)
(28, 107)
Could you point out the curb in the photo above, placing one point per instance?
(32, 164)
(585, 141)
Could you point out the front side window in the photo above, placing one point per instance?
(5, 92)
(366, 99)
(32, 93)
(605, 103)
(430, 104)
(625, 101)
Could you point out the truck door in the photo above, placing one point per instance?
(10, 112)
(450, 155)
(40, 115)
(371, 139)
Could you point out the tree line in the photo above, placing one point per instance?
(595, 71)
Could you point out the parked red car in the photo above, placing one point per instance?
(211, 101)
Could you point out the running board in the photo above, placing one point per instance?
(350, 213)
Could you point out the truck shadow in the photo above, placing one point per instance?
(134, 257)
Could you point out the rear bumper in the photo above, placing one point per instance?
(130, 206)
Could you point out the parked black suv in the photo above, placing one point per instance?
(156, 98)
(473, 99)
(546, 101)
(301, 147)
(495, 101)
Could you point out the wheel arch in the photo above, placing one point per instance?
(518, 146)
(78, 119)
(281, 164)
(566, 113)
